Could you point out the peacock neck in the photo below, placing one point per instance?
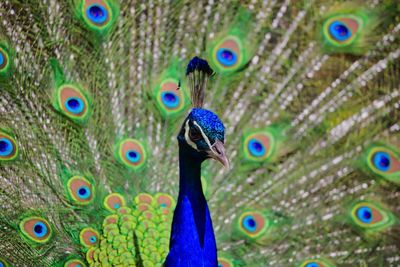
(189, 175)
(192, 237)
(190, 188)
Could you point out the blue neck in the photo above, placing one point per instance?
(190, 187)
(192, 235)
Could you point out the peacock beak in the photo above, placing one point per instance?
(217, 152)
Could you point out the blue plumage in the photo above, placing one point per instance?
(199, 64)
(201, 137)
(209, 122)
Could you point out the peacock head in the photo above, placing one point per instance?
(203, 136)
(202, 133)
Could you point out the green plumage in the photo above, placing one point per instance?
(236, 41)
(360, 24)
(93, 94)
(5, 61)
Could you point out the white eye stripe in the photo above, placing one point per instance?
(204, 135)
(187, 138)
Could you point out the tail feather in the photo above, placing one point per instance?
(309, 95)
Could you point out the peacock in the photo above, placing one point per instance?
(110, 110)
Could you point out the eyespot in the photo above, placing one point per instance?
(165, 201)
(8, 147)
(4, 61)
(339, 31)
(366, 214)
(131, 153)
(317, 263)
(89, 237)
(228, 54)
(223, 262)
(348, 32)
(170, 101)
(258, 146)
(253, 224)
(249, 223)
(73, 103)
(382, 161)
(80, 190)
(36, 229)
(99, 15)
(371, 216)
(74, 263)
(144, 198)
(3, 263)
(114, 201)
(132, 156)
(385, 162)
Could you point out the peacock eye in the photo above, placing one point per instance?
(321, 262)
(370, 216)
(36, 229)
(195, 134)
(80, 190)
(89, 237)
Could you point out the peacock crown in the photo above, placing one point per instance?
(198, 72)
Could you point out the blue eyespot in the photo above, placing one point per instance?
(133, 156)
(256, 148)
(117, 206)
(339, 31)
(249, 223)
(382, 161)
(170, 99)
(97, 14)
(312, 264)
(163, 205)
(74, 105)
(84, 192)
(93, 239)
(1, 63)
(364, 214)
(78, 265)
(40, 229)
(6, 147)
(226, 57)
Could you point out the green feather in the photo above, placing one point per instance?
(348, 28)
(69, 98)
(383, 161)
(170, 93)
(326, 189)
(5, 60)
(370, 216)
(317, 262)
(98, 16)
(231, 49)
